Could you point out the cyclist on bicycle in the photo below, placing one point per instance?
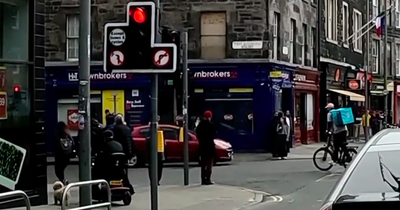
(339, 133)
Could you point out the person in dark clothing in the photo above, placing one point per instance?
(112, 146)
(63, 150)
(206, 134)
(280, 136)
(374, 123)
(123, 134)
(110, 119)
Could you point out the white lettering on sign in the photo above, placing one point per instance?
(285, 75)
(215, 74)
(241, 45)
(135, 104)
(117, 37)
(398, 88)
(74, 117)
(2, 101)
(300, 77)
(73, 76)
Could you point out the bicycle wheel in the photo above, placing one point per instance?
(323, 155)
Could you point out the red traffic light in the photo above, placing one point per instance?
(138, 14)
(17, 88)
(175, 36)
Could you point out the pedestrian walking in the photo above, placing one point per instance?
(63, 150)
(289, 122)
(110, 119)
(206, 134)
(280, 133)
(123, 135)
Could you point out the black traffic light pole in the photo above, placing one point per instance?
(185, 108)
(85, 192)
(153, 129)
(149, 55)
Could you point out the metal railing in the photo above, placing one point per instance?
(86, 183)
(16, 193)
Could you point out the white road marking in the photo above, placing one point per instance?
(280, 199)
(276, 198)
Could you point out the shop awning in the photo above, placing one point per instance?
(353, 96)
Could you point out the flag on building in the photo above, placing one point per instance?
(380, 22)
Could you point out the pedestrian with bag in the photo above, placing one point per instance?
(337, 125)
(63, 150)
(281, 134)
(206, 134)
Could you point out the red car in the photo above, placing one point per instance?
(173, 150)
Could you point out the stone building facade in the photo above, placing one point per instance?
(212, 25)
(337, 48)
(377, 61)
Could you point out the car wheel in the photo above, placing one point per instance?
(133, 162)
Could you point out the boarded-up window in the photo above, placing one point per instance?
(213, 35)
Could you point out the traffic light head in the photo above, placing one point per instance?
(130, 46)
(17, 88)
(138, 14)
(141, 32)
(17, 93)
(176, 37)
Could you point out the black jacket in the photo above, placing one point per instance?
(123, 135)
(113, 147)
(110, 119)
(206, 134)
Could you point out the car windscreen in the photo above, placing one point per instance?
(377, 164)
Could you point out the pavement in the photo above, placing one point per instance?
(175, 197)
(250, 181)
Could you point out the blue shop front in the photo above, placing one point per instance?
(242, 96)
(123, 93)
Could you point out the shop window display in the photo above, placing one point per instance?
(14, 96)
(15, 101)
(14, 30)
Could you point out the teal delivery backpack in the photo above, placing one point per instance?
(342, 116)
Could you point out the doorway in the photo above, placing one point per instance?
(233, 120)
(304, 117)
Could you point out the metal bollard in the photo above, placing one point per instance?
(17, 193)
(85, 183)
